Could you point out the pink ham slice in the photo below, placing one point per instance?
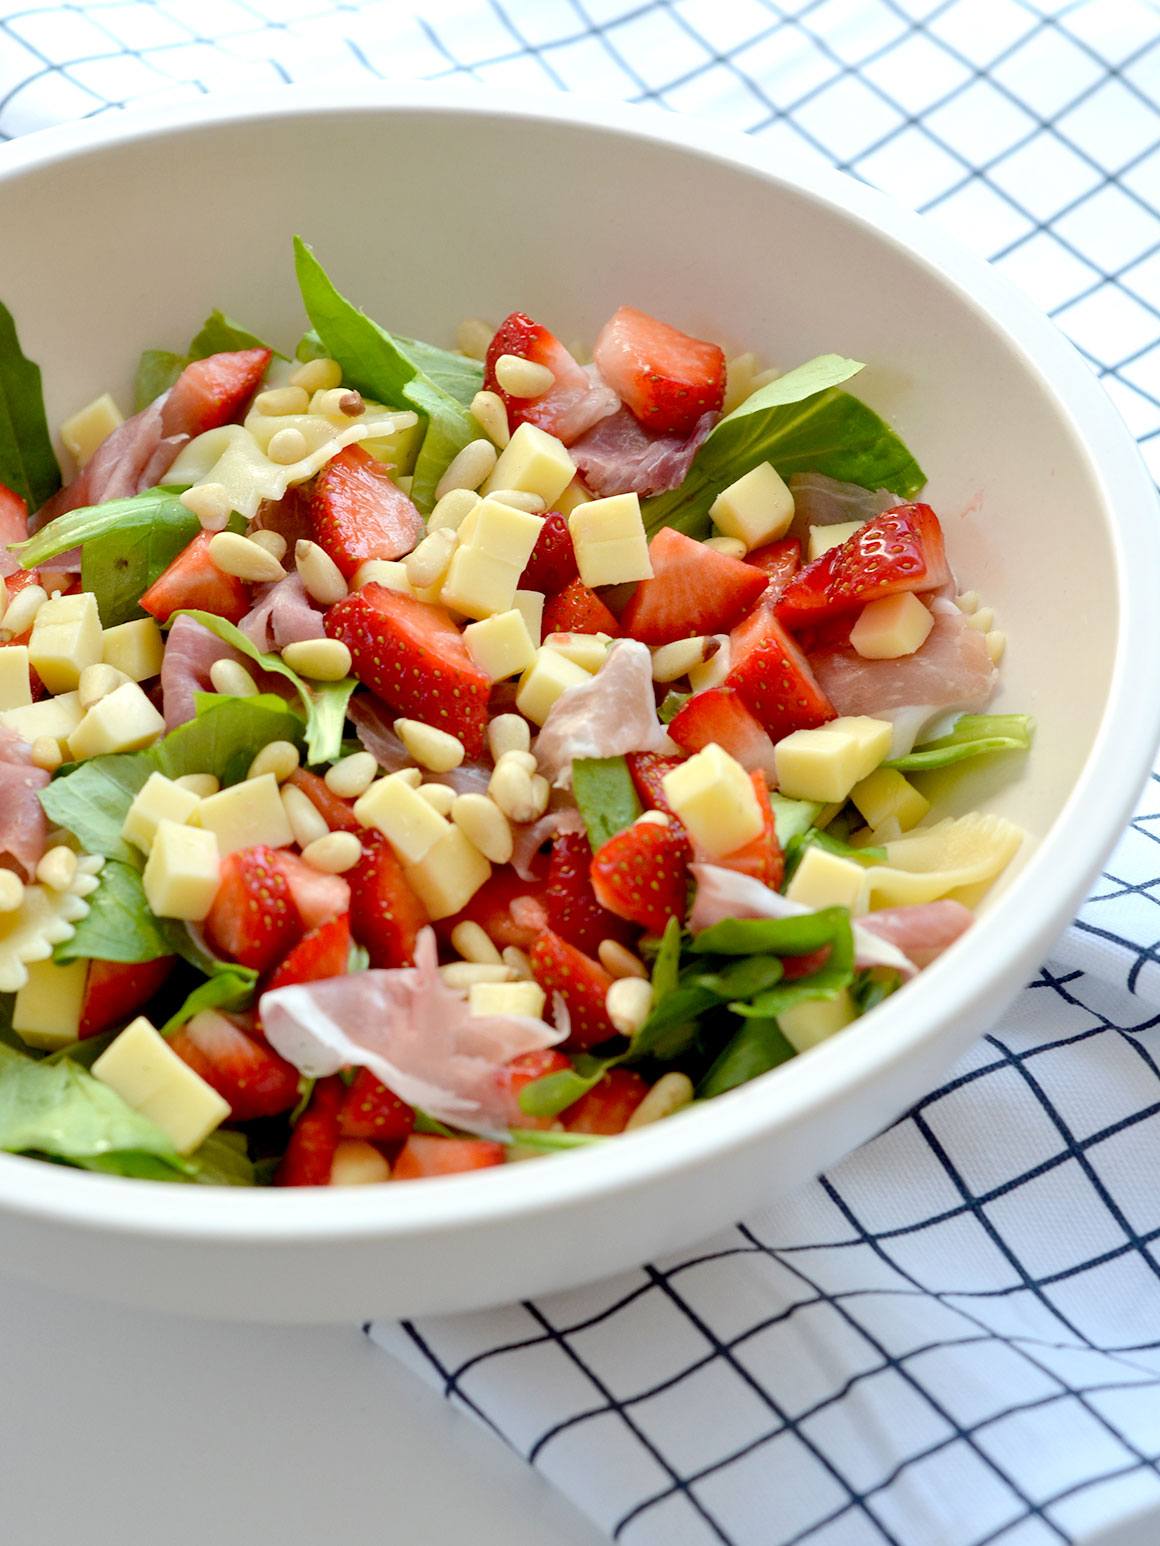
(282, 614)
(923, 931)
(118, 467)
(190, 651)
(22, 820)
(620, 456)
(612, 714)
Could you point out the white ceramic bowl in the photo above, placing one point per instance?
(428, 205)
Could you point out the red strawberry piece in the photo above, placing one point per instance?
(642, 874)
(510, 911)
(318, 897)
(900, 550)
(254, 918)
(211, 392)
(310, 1153)
(369, 1110)
(115, 990)
(322, 952)
(779, 562)
(358, 512)
(576, 609)
(581, 982)
(719, 714)
(608, 1104)
(774, 677)
(247, 1073)
(194, 580)
(13, 517)
(338, 813)
(647, 770)
(762, 857)
(573, 911)
(385, 914)
(412, 655)
(425, 1155)
(667, 378)
(524, 1070)
(553, 561)
(552, 410)
(694, 590)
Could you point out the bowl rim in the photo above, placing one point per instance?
(804, 1088)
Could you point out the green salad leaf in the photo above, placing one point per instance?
(91, 799)
(756, 1048)
(119, 925)
(220, 334)
(155, 507)
(606, 796)
(228, 986)
(157, 370)
(223, 737)
(792, 818)
(28, 464)
(456, 374)
(222, 1160)
(974, 735)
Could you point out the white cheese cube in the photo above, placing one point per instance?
(501, 644)
(247, 813)
(545, 679)
(56, 717)
(756, 509)
(822, 538)
(583, 649)
(892, 627)
(714, 797)
(503, 532)
(411, 826)
(533, 462)
(479, 585)
(450, 874)
(804, 1025)
(66, 637)
(158, 799)
(886, 794)
(135, 648)
(84, 430)
(182, 872)
(825, 764)
(148, 1075)
(827, 880)
(15, 688)
(609, 538)
(530, 603)
(506, 998)
(47, 1012)
(575, 494)
(125, 721)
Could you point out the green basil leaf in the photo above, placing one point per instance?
(756, 1048)
(77, 527)
(873, 985)
(796, 936)
(667, 965)
(836, 973)
(974, 735)
(553, 1093)
(606, 796)
(743, 977)
(157, 370)
(220, 334)
(454, 373)
(224, 737)
(120, 565)
(27, 462)
(119, 925)
(91, 800)
(229, 987)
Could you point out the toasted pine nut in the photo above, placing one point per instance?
(519, 499)
(239, 556)
(351, 404)
(210, 503)
(98, 682)
(282, 400)
(668, 1094)
(491, 416)
(473, 337)
(652, 818)
(11, 891)
(412, 776)
(968, 602)
(452, 509)
(277, 757)
(521, 759)
(306, 821)
(427, 564)
(996, 642)
(358, 1163)
(523, 378)
(434, 749)
(287, 447)
(461, 974)
(351, 776)
(200, 784)
(338, 402)
(468, 468)
(508, 733)
(474, 944)
(732, 547)
(618, 961)
(319, 573)
(3, 600)
(517, 962)
(324, 660)
(317, 375)
(58, 868)
(674, 660)
(440, 797)
(628, 1003)
(334, 853)
(482, 822)
(510, 786)
(232, 678)
(541, 793)
(273, 541)
(983, 620)
(46, 754)
(22, 610)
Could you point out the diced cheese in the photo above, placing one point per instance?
(887, 794)
(530, 604)
(589, 650)
(411, 826)
(135, 648)
(575, 494)
(610, 542)
(755, 509)
(804, 1025)
(84, 431)
(500, 644)
(158, 799)
(533, 462)
(66, 637)
(503, 532)
(182, 872)
(247, 813)
(47, 1011)
(827, 880)
(450, 874)
(148, 1075)
(892, 627)
(713, 796)
(506, 998)
(544, 680)
(822, 538)
(825, 764)
(55, 717)
(124, 721)
(478, 585)
(15, 687)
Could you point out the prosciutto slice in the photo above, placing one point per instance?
(413, 1032)
(134, 457)
(190, 651)
(620, 456)
(372, 720)
(282, 614)
(527, 841)
(22, 820)
(612, 714)
(923, 930)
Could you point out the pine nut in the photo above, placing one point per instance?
(323, 660)
(277, 757)
(440, 797)
(521, 759)
(618, 961)
(358, 1163)
(282, 400)
(462, 974)
(97, 682)
(996, 644)
(338, 402)
(317, 375)
(468, 468)
(716, 666)
(668, 1094)
(410, 776)
(319, 573)
(427, 564)
(451, 511)
(46, 754)
(483, 824)
(210, 503)
(287, 447)
(474, 944)
(523, 378)
(239, 556)
(3, 599)
(519, 499)
(968, 602)
(333, 854)
(518, 963)
(351, 404)
(628, 1003)
(508, 733)
(11, 891)
(200, 784)
(675, 660)
(388, 572)
(22, 610)
(434, 749)
(473, 337)
(510, 786)
(491, 416)
(652, 818)
(732, 547)
(983, 620)
(58, 868)
(351, 776)
(541, 793)
(306, 821)
(273, 541)
(231, 678)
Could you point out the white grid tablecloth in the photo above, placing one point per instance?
(954, 1337)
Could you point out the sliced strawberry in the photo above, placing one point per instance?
(247, 1073)
(358, 511)
(310, 1153)
(642, 874)
(779, 562)
(524, 1070)
(114, 990)
(560, 409)
(573, 911)
(608, 1104)
(510, 911)
(412, 655)
(648, 770)
(321, 953)
(211, 392)
(553, 561)
(13, 517)
(581, 982)
(254, 918)
(762, 857)
(719, 714)
(425, 1155)
(194, 580)
(667, 378)
(385, 914)
(337, 813)
(694, 590)
(774, 677)
(369, 1110)
(576, 609)
(899, 551)
(317, 896)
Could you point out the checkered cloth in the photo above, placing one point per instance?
(954, 1337)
